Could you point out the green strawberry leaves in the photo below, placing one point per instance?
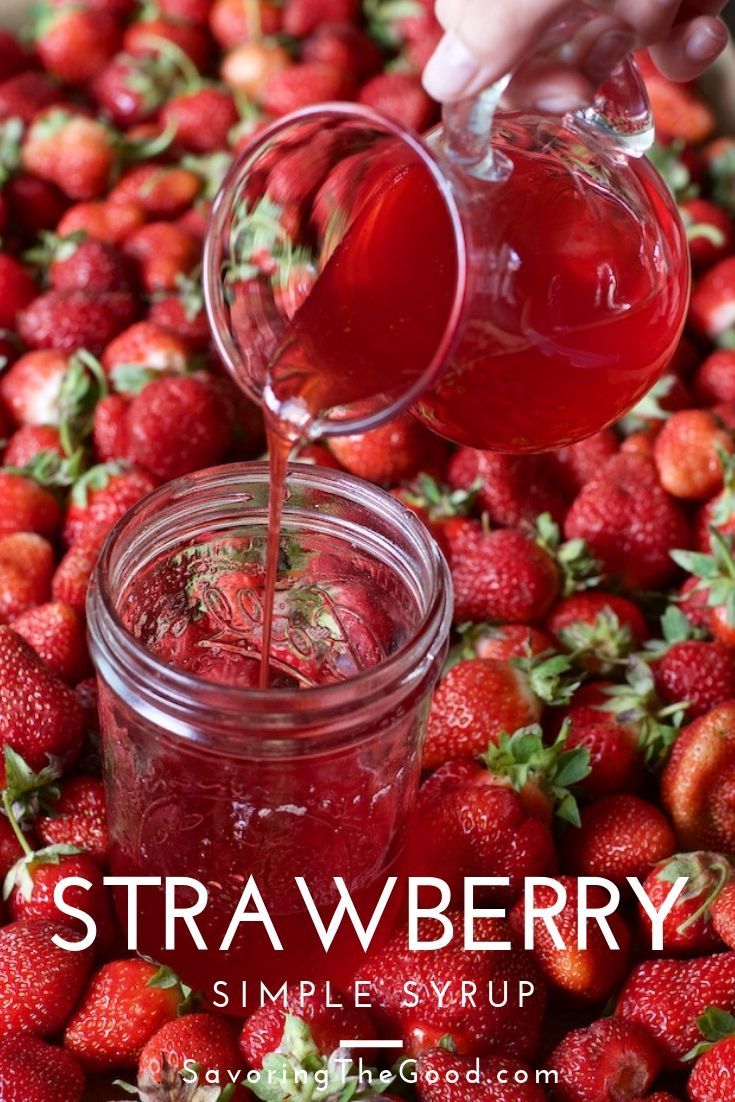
(577, 567)
(716, 571)
(551, 676)
(523, 758)
(636, 702)
(259, 237)
(26, 792)
(439, 501)
(20, 874)
(714, 1025)
(96, 478)
(602, 646)
(706, 875)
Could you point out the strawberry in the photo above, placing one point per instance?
(396, 452)
(57, 635)
(712, 309)
(168, 38)
(26, 567)
(132, 90)
(688, 929)
(13, 57)
(480, 698)
(126, 1002)
(250, 67)
(17, 290)
(467, 824)
(177, 425)
(502, 575)
(206, 1040)
(301, 17)
(599, 629)
(110, 429)
(682, 112)
(26, 95)
(75, 152)
(74, 43)
(499, 642)
(723, 915)
(104, 221)
(30, 442)
(27, 507)
(574, 974)
(709, 232)
(697, 783)
(183, 313)
(301, 85)
(699, 673)
(71, 580)
(148, 346)
(78, 263)
(619, 836)
(401, 97)
(201, 119)
(667, 996)
(713, 1075)
(40, 717)
(33, 1071)
(500, 1079)
(715, 574)
(346, 47)
(609, 1061)
(70, 320)
(30, 389)
(475, 1029)
(163, 253)
(629, 522)
(263, 1031)
(34, 205)
(576, 464)
(78, 818)
(100, 498)
(39, 981)
(235, 21)
(511, 489)
(686, 453)
(715, 378)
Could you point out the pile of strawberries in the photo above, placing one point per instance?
(585, 725)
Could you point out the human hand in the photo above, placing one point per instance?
(485, 39)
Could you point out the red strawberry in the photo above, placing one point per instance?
(148, 346)
(27, 507)
(715, 379)
(108, 221)
(697, 784)
(206, 1040)
(620, 836)
(31, 441)
(500, 642)
(185, 11)
(39, 715)
(13, 57)
(480, 698)
(396, 452)
(629, 522)
(687, 454)
(183, 313)
(177, 425)
(715, 574)
(29, 889)
(576, 464)
(609, 1061)
(71, 580)
(163, 253)
(511, 489)
(600, 629)
(301, 85)
(688, 929)
(87, 265)
(250, 67)
(74, 43)
(345, 46)
(26, 567)
(500, 1079)
(26, 95)
(574, 974)
(700, 674)
(235, 21)
(723, 915)
(30, 389)
(39, 981)
(100, 498)
(78, 818)
(70, 320)
(75, 152)
(713, 1076)
(126, 1002)
(467, 824)
(712, 309)
(201, 119)
(131, 90)
(301, 17)
(667, 996)
(35, 205)
(263, 1031)
(149, 38)
(475, 1029)
(401, 97)
(709, 232)
(32, 1071)
(57, 635)
(110, 429)
(17, 290)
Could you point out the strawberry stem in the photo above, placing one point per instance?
(8, 809)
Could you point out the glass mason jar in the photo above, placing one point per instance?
(211, 779)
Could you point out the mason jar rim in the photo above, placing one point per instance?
(182, 703)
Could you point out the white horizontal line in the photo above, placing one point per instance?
(371, 1044)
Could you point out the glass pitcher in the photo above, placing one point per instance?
(519, 280)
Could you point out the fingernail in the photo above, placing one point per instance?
(450, 70)
(607, 53)
(559, 104)
(705, 43)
